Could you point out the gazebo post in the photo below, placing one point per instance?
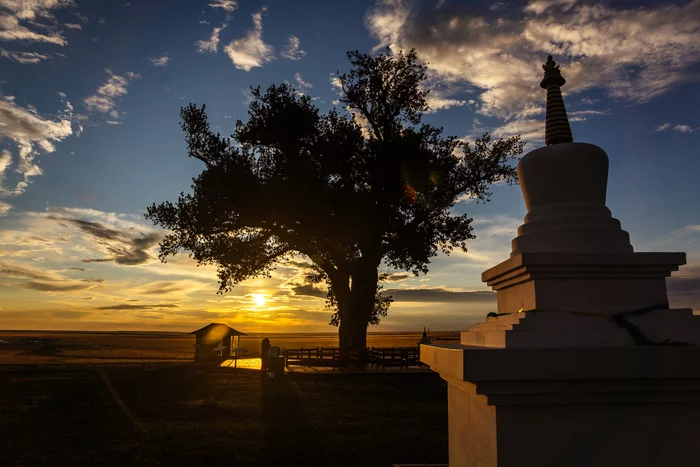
(238, 351)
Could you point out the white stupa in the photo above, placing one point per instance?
(571, 255)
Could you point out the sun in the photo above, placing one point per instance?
(259, 299)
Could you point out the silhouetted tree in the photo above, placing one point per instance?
(348, 191)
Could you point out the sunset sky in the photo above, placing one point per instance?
(90, 94)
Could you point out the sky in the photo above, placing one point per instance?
(90, 93)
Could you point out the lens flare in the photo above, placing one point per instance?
(409, 193)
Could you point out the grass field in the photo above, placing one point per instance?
(38, 347)
(168, 414)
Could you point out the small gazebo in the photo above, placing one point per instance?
(214, 342)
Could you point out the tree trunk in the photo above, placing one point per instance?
(352, 337)
(355, 310)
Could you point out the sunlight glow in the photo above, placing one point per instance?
(259, 299)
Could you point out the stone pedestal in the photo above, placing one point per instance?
(576, 407)
(575, 297)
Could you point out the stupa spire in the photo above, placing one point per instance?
(557, 128)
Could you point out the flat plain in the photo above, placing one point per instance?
(125, 399)
(60, 347)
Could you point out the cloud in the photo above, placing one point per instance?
(227, 5)
(436, 101)
(530, 130)
(336, 87)
(250, 51)
(540, 6)
(583, 115)
(56, 287)
(32, 133)
(634, 54)
(684, 129)
(309, 291)
(491, 245)
(125, 247)
(4, 208)
(395, 277)
(125, 306)
(5, 162)
(163, 288)
(213, 43)
(439, 295)
(71, 314)
(73, 26)
(18, 15)
(83, 19)
(293, 50)
(44, 280)
(683, 286)
(160, 61)
(24, 57)
(27, 272)
(105, 98)
(300, 81)
(679, 128)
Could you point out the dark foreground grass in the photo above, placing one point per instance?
(184, 414)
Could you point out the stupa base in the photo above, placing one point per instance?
(603, 407)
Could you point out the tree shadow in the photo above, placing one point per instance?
(289, 436)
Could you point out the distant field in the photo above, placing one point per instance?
(88, 347)
(187, 414)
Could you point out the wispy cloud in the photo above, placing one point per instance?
(43, 280)
(106, 97)
(439, 295)
(227, 5)
(163, 287)
(530, 130)
(115, 238)
(32, 133)
(32, 21)
(4, 208)
(212, 44)
(634, 54)
(83, 19)
(27, 272)
(300, 81)
(683, 128)
(127, 306)
(492, 242)
(73, 26)
(293, 50)
(583, 115)
(251, 51)
(24, 57)
(436, 102)
(160, 61)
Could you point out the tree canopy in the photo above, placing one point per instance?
(349, 189)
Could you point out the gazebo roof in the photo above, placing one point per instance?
(219, 328)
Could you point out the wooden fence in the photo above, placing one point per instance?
(318, 356)
(394, 356)
(384, 357)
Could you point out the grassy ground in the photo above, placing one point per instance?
(39, 347)
(185, 414)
